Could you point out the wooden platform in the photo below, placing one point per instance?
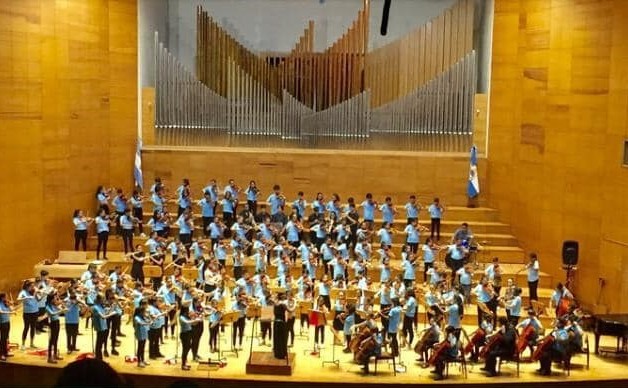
(265, 363)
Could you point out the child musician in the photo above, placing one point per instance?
(53, 311)
(141, 321)
(450, 353)
(5, 326)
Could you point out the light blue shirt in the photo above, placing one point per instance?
(184, 227)
(388, 213)
(227, 206)
(251, 195)
(413, 234)
(330, 207)
(79, 224)
(348, 323)
(435, 211)
(368, 210)
(408, 270)
(276, 203)
(428, 254)
(533, 272)
(454, 316)
(456, 254)
(384, 236)
(126, 222)
(141, 328)
(100, 323)
(53, 312)
(186, 324)
(394, 317)
(5, 313)
(465, 277)
(515, 306)
(292, 232)
(412, 211)
(299, 206)
(384, 274)
(119, 204)
(158, 202)
(29, 304)
(215, 231)
(72, 315)
(102, 225)
(207, 207)
(410, 307)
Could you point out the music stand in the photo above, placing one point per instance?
(333, 360)
(228, 318)
(253, 312)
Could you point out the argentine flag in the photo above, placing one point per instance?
(137, 168)
(473, 187)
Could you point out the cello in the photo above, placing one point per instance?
(476, 339)
(544, 345)
(491, 344)
(524, 339)
(439, 350)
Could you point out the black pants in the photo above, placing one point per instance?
(546, 360)
(238, 331)
(227, 219)
(426, 266)
(101, 340)
(53, 339)
(290, 329)
(186, 240)
(280, 344)
(319, 334)
(170, 322)
(153, 342)
(237, 272)
(42, 320)
(5, 328)
(394, 344)
(213, 336)
(414, 247)
(408, 328)
(252, 207)
(408, 283)
(491, 359)
(141, 345)
(138, 213)
(327, 301)
(533, 286)
(514, 320)
(113, 323)
(186, 345)
(127, 240)
(492, 306)
(266, 329)
(206, 222)
(71, 332)
(197, 333)
(305, 319)
(435, 228)
(80, 237)
(103, 237)
(30, 322)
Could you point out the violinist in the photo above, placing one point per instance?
(214, 315)
(504, 348)
(99, 319)
(455, 312)
(486, 301)
(291, 307)
(184, 200)
(240, 305)
(388, 211)
(44, 289)
(102, 197)
(412, 231)
(120, 293)
(113, 322)
(513, 307)
(560, 298)
(465, 278)
(30, 311)
(168, 292)
(141, 323)
(138, 212)
(319, 329)
(6, 309)
(187, 321)
(410, 310)
(394, 319)
(533, 276)
(299, 205)
(102, 229)
(348, 321)
(127, 222)
(157, 322)
(408, 265)
(450, 351)
(228, 207)
(197, 311)
(81, 223)
(252, 193)
(120, 204)
(53, 310)
(186, 228)
(72, 317)
(207, 212)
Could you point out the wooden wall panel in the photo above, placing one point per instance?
(68, 112)
(397, 174)
(558, 117)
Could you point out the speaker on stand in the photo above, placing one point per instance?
(570, 261)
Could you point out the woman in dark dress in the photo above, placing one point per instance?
(280, 339)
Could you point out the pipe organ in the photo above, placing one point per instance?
(419, 85)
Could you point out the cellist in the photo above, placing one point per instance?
(504, 348)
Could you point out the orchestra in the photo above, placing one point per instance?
(370, 301)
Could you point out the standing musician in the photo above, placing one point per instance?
(436, 210)
(561, 300)
(113, 322)
(6, 310)
(412, 209)
(44, 289)
(533, 276)
(187, 321)
(207, 212)
(120, 204)
(72, 316)
(319, 329)
(141, 323)
(214, 314)
(280, 341)
(99, 319)
(410, 310)
(102, 229)
(136, 202)
(413, 230)
(186, 228)
(394, 318)
(169, 293)
(102, 197)
(455, 258)
(486, 301)
(81, 223)
(291, 307)
(53, 309)
(348, 321)
(513, 307)
(138, 257)
(240, 305)
(198, 310)
(29, 297)
(504, 346)
(127, 222)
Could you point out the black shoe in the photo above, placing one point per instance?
(115, 352)
(152, 358)
(106, 353)
(121, 335)
(160, 355)
(118, 343)
(491, 373)
(79, 333)
(484, 369)
(438, 377)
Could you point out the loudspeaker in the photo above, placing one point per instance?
(570, 252)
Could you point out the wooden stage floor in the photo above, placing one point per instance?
(30, 370)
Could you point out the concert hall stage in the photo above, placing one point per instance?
(27, 370)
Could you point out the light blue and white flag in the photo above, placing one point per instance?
(137, 168)
(473, 187)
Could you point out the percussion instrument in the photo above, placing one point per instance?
(544, 345)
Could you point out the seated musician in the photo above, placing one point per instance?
(557, 350)
(534, 321)
(463, 234)
(432, 303)
(377, 340)
(450, 352)
(487, 329)
(576, 335)
(504, 348)
(429, 338)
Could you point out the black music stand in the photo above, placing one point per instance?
(226, 319)
(333, 360)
